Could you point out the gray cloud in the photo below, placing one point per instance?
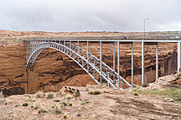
(87, 15)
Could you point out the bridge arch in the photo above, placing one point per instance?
(84, 59)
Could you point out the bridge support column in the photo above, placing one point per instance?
(157, 61)
(100, 61)
(132, 64)
(36, 43)
(114, 59)
(118, 82)
(178, 56)
(94, 69)
(143, 82)
(87, 55)
(64, 45)
(27, 81)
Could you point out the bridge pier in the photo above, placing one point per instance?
(118, 81)
(132, 64)
(100, 48)
(143, 82)
(157, 61)
(114, 59)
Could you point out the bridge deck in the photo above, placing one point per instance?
(106, 39)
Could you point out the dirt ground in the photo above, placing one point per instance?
(111, 104)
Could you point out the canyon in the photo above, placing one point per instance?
(53, 70)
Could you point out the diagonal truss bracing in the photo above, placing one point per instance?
(94, 66)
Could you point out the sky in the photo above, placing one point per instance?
(90, 15)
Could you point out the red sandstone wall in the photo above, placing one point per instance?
(53, 70)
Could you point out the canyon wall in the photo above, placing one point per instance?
(53, 70)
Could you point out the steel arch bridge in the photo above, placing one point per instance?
(94, 66)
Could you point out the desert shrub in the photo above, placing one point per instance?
(63, 104)
(25, 104)
(106, 91)
(77, 93)
(16, 105)
(69, 96)
(42, 111)
(1, 95)
(84, 102)
(94, 92)
(135, 93)
(36, 105)
(173, 93)
(40, 94)
(56, 100)
(65, 116)
(50, 95)
(78, 115)
(169, 92)
(70, 104)
(30, 99)
(57, 110)
(59, 92)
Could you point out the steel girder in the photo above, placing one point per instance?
(84, 59)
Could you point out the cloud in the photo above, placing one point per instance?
(87, 15)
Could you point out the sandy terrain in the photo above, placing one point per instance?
(111, 104)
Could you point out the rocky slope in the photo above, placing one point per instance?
(92, 103)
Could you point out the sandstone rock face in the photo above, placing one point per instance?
(12, 69)
(53, 70)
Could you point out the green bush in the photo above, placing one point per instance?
(169, 92)
(77, 93)
(40, 94)
(63, 104)
(94, 92)
(56, 100)
(78, 114)
(84, 102)
(42, 111)
(70, 104)
(1, 95)
(135, 93)
(58, 111)
(25, 104)
(50, 95)
(65, 116)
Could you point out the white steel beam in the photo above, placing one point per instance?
(87, 55)
(157, 61)
(114, 59)
(118, 82)
(132, 65)
(100, 61)
(143, 82)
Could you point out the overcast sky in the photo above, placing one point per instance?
(90, 15)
